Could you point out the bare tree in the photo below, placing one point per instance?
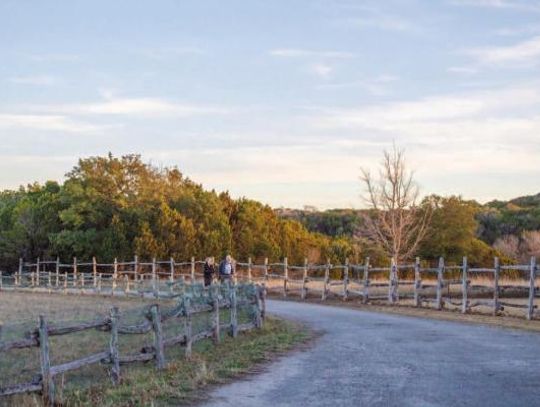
(508, 245)
(396, 221)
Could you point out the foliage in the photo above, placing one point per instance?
(118, 207)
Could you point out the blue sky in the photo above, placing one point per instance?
(281, 101)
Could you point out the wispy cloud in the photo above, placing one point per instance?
(303, 53)
(53, 57)
(381, 22)
(376, 86)
(525, 5)
(124, 106)
(48, 123)
(160, 53)
(462, 70)
(522, 53)
(321, 70)
(37, 80)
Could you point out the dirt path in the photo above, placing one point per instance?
(374, 359)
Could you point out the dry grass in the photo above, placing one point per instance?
(19, 312)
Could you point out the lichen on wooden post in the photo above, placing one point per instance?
(496, 275)
(417, 282)
(266, 269)
(214, 290)
(392, 282)
(440, 273)
(94, 270)
(158, 336)
(115, 276)
(57, 272)
(193, 270)
(249, 265)
(113, 346)
(304, 279)
(234, 311)
(285, 276)
(188, 326)
(74, 272)
(365, 292)
(346, 280)
(171, 270)
(326, 280)
(47, 381)
(464, 287)
(532, 288)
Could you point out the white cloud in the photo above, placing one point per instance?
(321, 70)
(376, 86)
(160, 53)
(47, 122)
(303, 53)
(37, 80)
(526, 52)
(147, 107)
(381, 22)
(526, 5)
(462, 70)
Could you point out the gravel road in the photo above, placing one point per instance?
(374, 359)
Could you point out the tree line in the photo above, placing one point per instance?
(116, 207)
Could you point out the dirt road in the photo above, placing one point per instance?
(374, 359)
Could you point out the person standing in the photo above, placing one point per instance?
(226, 269)
(209, 271)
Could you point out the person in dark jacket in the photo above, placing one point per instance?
(226, 269)
(209, 271)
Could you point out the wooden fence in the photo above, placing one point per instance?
(192, 300)
(424, 285)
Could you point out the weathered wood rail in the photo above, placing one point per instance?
(192, 301)
(424, 285)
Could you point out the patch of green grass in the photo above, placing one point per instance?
(182, 380)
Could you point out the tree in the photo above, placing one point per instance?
(395, 221)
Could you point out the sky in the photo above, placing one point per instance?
(281, 101)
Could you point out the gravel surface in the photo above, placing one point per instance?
(373, 359)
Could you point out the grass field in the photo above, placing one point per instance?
(19, 312)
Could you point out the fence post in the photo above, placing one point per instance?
(127, 284)
(158, 336)
(94, 271)
(285, 276)
(113, 346)
(266, 269)
(496, 275)
(18, 281)
(1, 281)
(532, 280)
(440, 271)
(464, 287)
(326, 278)
(365, 293)
(115, 275)
(154, 280)
(49, 281)
(215, 309)
(249, 270)
(392, 282)
(46, 377)
(417, 282)
(99, 283)
(192, 270)
(234, 311)
(136, 268)
(57, 272)
(65, 282)
(74, 272)
(304, 279)
(188, 325)
(171, 277)
(263, 302)
(37, 272)
(346, 280)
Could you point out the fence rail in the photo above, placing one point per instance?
(193, 300)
